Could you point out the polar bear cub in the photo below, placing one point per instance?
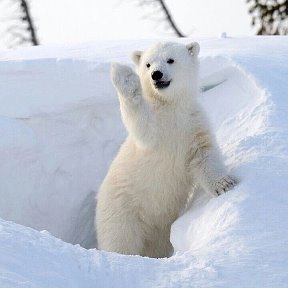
(169, 149)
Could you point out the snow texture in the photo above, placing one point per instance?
(60, 128)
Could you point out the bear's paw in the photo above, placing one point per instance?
(125, 80)
(225, 184)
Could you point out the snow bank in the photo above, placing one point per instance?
(60, 128)
(58, 138)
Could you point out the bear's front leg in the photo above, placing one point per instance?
(136, 113)
(212, 172)
(126, 82)
(207, 166)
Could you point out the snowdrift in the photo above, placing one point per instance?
(60, 128)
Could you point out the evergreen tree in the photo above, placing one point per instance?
(269, 16)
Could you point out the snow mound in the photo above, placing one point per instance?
(57, 143)
(60, 128)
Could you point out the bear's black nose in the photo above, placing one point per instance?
(157, 75)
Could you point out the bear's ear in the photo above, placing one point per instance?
(136, 57)
(193, 48)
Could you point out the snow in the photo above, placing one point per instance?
(60, 128)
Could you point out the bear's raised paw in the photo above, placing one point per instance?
(125, 80)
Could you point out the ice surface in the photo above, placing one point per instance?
(60, 128)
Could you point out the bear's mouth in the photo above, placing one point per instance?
(161, 84)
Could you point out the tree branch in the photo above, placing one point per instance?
(31, 29)
(170, 19)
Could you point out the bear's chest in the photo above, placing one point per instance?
(165, 183)
(175, 125)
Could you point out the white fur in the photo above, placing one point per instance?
(168, 150)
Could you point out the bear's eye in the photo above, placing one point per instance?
(170, 61)
(147, 65)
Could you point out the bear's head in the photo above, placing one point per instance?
(168, 71)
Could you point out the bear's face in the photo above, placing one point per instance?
(166, 70)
